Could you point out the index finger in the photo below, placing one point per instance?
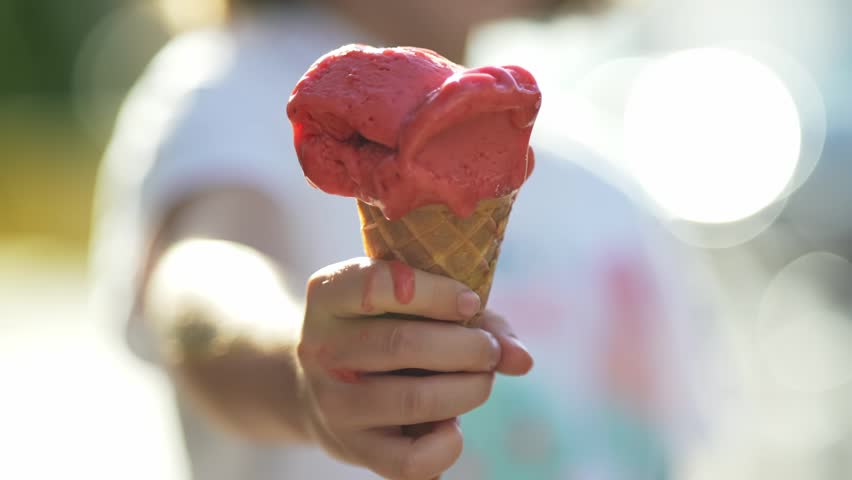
(365, 286)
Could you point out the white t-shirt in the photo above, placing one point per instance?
(587, 288)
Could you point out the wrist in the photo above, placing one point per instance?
(307, 421)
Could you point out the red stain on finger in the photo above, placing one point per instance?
(345, 375)
(403, 281)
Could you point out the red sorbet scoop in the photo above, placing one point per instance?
(401, 128)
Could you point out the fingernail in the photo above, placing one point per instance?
(495, 351)
(468, 303)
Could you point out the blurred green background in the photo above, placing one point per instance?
(68, 382)
(55, 110)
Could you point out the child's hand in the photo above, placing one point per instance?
(352, 350)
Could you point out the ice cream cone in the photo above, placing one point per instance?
(435, 240)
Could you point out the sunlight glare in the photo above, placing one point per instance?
(711, 134)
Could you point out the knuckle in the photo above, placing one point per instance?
(399, 340)
(315, 284)
(312, 353)
(330, 274)
(414, 403)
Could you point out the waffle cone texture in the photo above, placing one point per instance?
(435, 240)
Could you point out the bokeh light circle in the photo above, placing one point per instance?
(801, 340)
(809, 103)
(712, 135)
(804, 329)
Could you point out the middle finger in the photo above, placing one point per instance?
(385, 344)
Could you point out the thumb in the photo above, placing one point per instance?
(515, 358)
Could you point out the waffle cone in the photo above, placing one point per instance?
(433, 239)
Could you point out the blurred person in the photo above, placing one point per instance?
(212, 245)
